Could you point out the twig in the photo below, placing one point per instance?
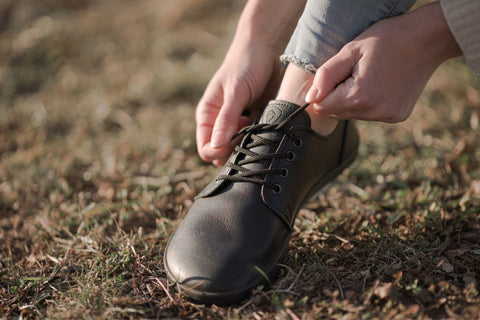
(296, 278)
(156, 181)
(341, 239)
(192, 288)
(338, 284)
(164, 289)
(249, 302)
(356, 189)
(291, 314)
(185, 176)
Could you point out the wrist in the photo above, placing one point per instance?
(436, 35)
(246, 46)
(269, 23)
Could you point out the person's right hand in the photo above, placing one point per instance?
(245, 81)
(380, 75)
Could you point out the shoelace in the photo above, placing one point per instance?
(257, 176)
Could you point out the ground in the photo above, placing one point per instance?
(98, 167)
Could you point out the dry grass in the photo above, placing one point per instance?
(98, 166)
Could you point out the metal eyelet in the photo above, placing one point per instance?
(291, 156)
(284, 173)
(277, 189)
(298, 143)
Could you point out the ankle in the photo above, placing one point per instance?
(295, 85)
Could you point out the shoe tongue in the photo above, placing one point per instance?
(276, 111)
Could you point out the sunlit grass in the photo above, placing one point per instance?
(99, 166)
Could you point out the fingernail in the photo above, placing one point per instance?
(217, 140)
(312, 95)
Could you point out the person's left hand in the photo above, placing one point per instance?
(380, 75)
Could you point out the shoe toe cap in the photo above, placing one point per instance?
(225, 249)
(209, 262)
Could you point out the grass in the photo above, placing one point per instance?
(98, 167)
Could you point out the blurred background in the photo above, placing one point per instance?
(93, 93)
(101, 88)
(97, 151)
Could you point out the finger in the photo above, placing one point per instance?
(205, 116)
(330, 74)
(228, 119)
(244, 121)
(339, 102)
(209, 154)
(218, 156)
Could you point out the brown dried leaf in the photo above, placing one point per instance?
(383, 290)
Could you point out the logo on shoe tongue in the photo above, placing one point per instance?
(273, 115)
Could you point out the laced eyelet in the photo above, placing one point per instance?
(284, 173)
(277, 189)
(298, 143)
(291, 156)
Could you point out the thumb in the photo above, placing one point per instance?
(228, 119)
(333, 72)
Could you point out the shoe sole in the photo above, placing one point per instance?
(233, 297)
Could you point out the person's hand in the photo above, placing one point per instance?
(245, 81)
(248, 77)
(380, 75)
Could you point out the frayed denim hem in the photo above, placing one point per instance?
(301, 63)
(327, 25)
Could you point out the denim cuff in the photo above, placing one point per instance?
(327, 25)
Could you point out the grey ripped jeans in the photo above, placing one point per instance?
(327, 25)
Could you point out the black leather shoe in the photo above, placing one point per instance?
(238, 228)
